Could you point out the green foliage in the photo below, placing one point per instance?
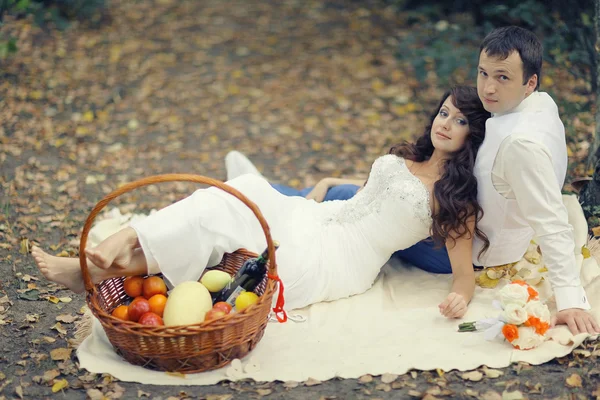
(448, 50)
(566, 28)
(56, 12)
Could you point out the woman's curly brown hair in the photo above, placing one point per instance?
(456, 191)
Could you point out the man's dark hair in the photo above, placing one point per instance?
(501, 42)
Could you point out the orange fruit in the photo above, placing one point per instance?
(133, 285)
(157, 304)
(153, 285)
(121, 312)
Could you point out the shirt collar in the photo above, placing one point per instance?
(522, 106)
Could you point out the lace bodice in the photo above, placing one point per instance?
(390, 179)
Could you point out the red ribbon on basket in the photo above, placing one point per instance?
(278, 309)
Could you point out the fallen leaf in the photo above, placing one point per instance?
(290, 384)
(60, 354)
(574, 381)
(60, 385)
(414, 393)
(65, 299)
(264, 392)
(388, 378)
(312, 382)
(95, 394)
(58, 327)
(474, 376)
(365, 379)
(516, 395)
(32, 317)
(24, 248)
(53, 299)
(50, 375)
(472, 393)
(141, 393)
(492, 373)
(19, 391)
(49, 339)
(218, 397)
(491, 395)
(66, 318)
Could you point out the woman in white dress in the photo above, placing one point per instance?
(327, 250)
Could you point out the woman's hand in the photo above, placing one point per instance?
(319, 191)
(455, 306)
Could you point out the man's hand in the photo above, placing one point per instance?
(454, 306)
(578, 321)
(319, 192)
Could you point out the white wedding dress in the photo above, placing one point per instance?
(327, 250)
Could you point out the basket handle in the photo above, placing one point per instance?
(89, 285)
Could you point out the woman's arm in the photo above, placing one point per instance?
(463, 275)
(320, 190)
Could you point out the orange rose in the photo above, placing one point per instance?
(540, 327)
(510, 332)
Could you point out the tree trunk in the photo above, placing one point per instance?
(593, 156)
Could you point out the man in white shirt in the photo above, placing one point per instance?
(521, 168)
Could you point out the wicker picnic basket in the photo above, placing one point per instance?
(187, 348)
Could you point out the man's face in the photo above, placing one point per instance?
(500, 82)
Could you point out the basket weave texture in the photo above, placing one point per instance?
(186, 348)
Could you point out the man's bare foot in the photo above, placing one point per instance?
(114, 251)
(64, 270)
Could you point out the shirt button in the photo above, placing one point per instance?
(584, 299)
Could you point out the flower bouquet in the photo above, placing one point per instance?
(523, 321)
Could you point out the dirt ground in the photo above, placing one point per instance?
(306, 89)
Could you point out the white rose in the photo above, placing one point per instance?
(528, 339)
(536, 308)
(515, 314)
(514, 294)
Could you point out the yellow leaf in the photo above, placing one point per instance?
(60, 385)
(484, 281)
(574, 381)
(547, 81)
(585, 252)
(543, 269)
(53, 299)
(115, 53)
(377, 84)
(35, 95)
(88, 116)
(63, 253)
(81, 131)
(596, 231)
(316, 146)
(24, 246)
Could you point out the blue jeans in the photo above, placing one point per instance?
(424, 255)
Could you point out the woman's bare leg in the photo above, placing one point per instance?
(115, 251)
(67, 272)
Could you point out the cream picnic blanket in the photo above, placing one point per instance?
(392, 328)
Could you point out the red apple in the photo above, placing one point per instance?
(150, 318)
(223, 306)
(214, 314)
(137, 308)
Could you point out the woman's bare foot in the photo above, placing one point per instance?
(64, 270)
(114, 251)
